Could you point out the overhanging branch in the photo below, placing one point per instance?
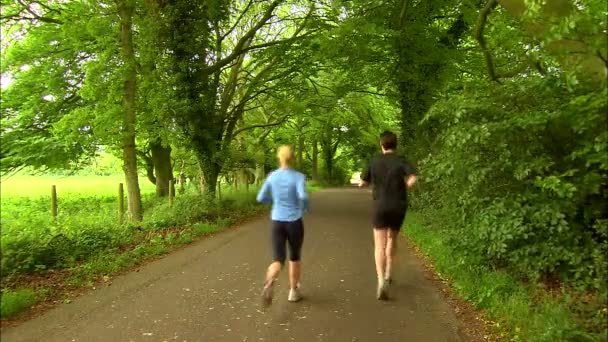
(369, 92)
(238, 20)
(238, 49)
(280, 122)
(481, 23)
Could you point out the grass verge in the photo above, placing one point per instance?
(518, 311)
(15, 301)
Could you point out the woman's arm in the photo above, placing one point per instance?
(264, 195)
(302, 194)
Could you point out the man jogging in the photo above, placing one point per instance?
(390, 176)
(286, 189)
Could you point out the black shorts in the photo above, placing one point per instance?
(391, 218)
(290, 232)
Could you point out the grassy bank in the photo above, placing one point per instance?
(520, 312)
(47, 260)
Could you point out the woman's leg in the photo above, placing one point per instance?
(279, 237)
(273, 271)
(295, 237)
(295, 268)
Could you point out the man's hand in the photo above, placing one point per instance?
(411, 180)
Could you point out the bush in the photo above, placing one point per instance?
(518, 174)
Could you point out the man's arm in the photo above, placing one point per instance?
(410, 180)
(365, 177)
(410, 175)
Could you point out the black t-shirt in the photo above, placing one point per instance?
(387, 174)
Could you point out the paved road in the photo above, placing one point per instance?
(210, 290)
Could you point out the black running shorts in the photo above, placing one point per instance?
(391, 218)
(287, 232)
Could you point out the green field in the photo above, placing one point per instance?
(33, 186)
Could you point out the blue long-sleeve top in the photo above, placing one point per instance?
(286, 189)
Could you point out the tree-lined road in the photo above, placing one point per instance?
(210, 291)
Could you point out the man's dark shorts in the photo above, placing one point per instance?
(386, 217)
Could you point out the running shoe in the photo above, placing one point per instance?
(294, 295)
(267, 292)
(382, 291)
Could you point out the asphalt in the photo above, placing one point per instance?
(210, 291)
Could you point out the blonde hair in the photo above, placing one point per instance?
(285, 155)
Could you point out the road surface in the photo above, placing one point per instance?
(210, 291)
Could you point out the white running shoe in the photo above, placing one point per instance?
(294, 295)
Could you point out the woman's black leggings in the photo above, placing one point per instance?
(290, 232)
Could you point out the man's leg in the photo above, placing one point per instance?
(395, 221)
(380, 235)
(391, 249)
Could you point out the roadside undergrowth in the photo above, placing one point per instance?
(516, 310)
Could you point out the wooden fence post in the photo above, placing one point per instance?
(54, 201)
(121, 203)
(171, 191)
(219, 188)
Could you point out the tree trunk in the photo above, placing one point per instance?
(301, 151)
(259, 174)
(125, 10)
(163, 169)
(182, 178)
(210, 172)
(149, 163)
(315, 161)
(329, 161)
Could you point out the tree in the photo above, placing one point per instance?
(46, 61)
(125, 12)
(71, 57)
(215, 79)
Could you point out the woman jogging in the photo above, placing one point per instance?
(286, 189)
(391, 176)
